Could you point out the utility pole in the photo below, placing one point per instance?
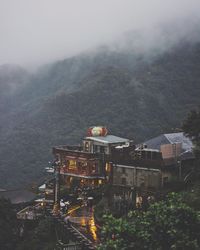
(56, 207)
(179, 170)
(177, 162)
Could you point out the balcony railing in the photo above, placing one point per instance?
(79, 171)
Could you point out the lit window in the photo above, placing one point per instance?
(87, 146)
(72, 164)
(107, 167)
(94, 169)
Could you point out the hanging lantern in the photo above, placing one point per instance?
(97, 131)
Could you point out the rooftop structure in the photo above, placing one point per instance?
(173, 145)
(108, 139)
(104, 158)
(171, 138)
(91, 163)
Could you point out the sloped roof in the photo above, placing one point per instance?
(180, 138)
(172, 138)
(107, 139)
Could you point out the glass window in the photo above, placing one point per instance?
(72, 164)
(95, 148)
(102, 149)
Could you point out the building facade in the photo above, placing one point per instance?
(89, 164)
(137, 177)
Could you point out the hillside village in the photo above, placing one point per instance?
(113, 171)
(100, 125)
(57, 104)
(103, 158)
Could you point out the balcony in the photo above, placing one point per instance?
(89, 170)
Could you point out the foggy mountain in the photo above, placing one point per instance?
(133, 96)
(12, 79)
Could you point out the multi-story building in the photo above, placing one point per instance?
(89, 164)
(111, 159)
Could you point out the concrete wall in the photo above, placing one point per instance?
(136, 177)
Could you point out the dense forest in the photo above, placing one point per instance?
(135, 96)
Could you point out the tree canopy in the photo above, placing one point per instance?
(169, 224)
(191, 127)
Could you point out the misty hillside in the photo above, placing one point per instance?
(134, 97)
(12, 79)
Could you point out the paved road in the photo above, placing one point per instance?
(83, 219)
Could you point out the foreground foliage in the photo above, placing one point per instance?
(40, 235)
(169, 224)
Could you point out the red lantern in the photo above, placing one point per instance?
(97, 131)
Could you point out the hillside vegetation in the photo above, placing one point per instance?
(134, 96)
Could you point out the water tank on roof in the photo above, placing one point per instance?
(97, 131)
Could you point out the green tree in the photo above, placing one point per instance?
(169, 224)
(41, 237)
(191, 127)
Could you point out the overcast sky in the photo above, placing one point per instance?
(40, 31)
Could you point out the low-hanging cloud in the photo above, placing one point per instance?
(40, 31)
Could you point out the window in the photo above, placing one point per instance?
(123, 170)
(94, 168)
(84, 166)
(108, 167)
(72, 164)
(87, 146)
(102, 149)
(165, 180)
(123, 181)
(95, 148)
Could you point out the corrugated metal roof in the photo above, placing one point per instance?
(156, 142)
(180, 138)
(108, 139)
(173, 138)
